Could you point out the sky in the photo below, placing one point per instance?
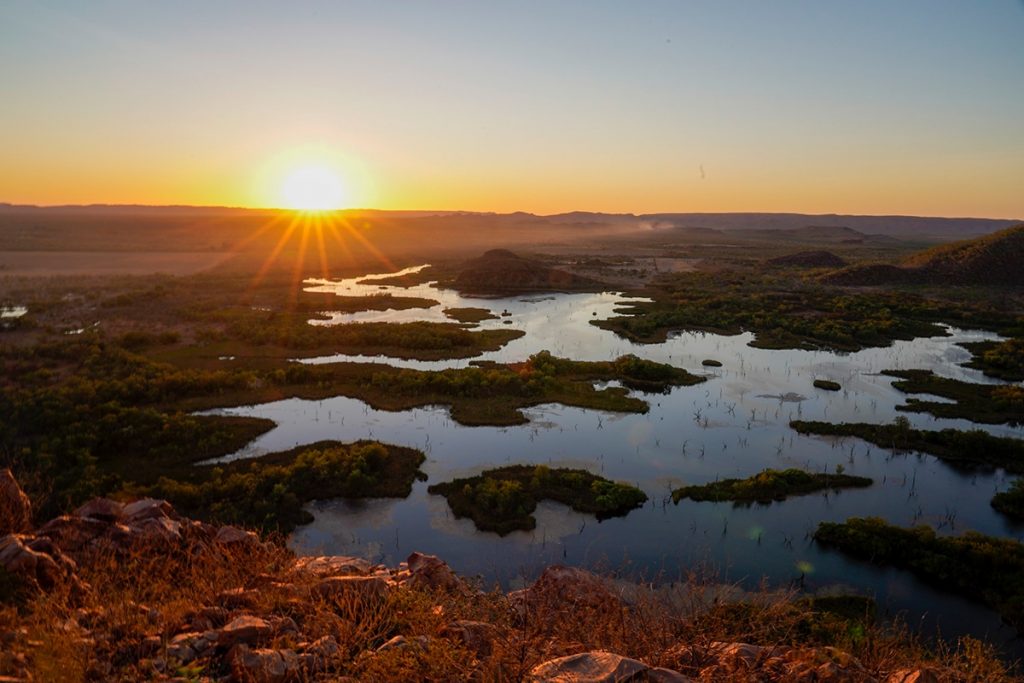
(868, 107)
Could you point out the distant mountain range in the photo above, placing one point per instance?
(796, 226)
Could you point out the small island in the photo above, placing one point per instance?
(469, 315)
(503, 500)
(769, 485)
(827, 385)
(1011, 501)
(711, 363)
(269, 492)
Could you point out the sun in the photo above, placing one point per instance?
(313, 188)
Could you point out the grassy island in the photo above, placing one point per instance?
(469, 314)
(986, 403)
(1003, 360)
(1011, 501)
(503, 500)
(827, 385)
(269, 492)
(973, 448)
(769, 485)
(981, 567)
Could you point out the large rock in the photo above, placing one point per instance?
(429, 571)
(914, 676)
(568, 588)
(333, 565)
(244, 629)
(601, 667)
(263, 665)
(36, 561)
(15, 507)
(366, 588)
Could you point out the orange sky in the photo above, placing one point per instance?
(873, 109)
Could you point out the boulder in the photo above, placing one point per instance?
(103, 509)
(429, 571)
(36, 561)
(333, 565)
(244, 629)
(914, 676)
(233, 536)
(15, 507)
(147, 508)
(477, 636)
(601, 667)
(570, 588)
(263, 665)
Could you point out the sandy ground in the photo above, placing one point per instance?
(46, 263)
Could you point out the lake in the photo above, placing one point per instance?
(733, 425)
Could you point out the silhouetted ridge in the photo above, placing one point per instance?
(500, 271)
(994, 259)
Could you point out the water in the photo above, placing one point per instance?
(11, 312)
(733, 425)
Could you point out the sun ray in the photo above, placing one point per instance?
(352, 230)
(272, 257)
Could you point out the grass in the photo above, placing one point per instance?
(827, 385)
(964, 449)
(269, 492)
(1002, 360)
(769, 485)
(504, 499)
(985, 403)
(981, 567)
(136, 602)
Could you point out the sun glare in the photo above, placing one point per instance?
(313, 188)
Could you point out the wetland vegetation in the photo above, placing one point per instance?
(981, 567)
(770, 485)
(985, 403)
(503, 500)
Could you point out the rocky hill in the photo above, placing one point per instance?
(134, 591)
(809, 259)
(994, 259)
(500, 271)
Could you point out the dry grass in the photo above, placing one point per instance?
(134, 604)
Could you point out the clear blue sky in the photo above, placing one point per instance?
(868, 107)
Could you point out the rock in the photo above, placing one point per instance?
(914, 676)
(477, 636)
(238, 598)
(15, 507)
(333, 565)
(244, 629)
(734, 655)
(156, 529)
(569, 587)
(37, 561)
(147, 508)
(229, 535)
(320, 653)
(402, 642)
(263, 665)
(363, 587)
(601, 667)
(103, 509)
(429, 571)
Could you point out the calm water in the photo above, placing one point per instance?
(734, 425)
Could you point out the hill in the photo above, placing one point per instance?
(499, 271)
(989, 260)
(809, 259)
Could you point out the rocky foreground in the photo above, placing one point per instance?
(134, 591)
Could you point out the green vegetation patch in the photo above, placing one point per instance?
(980, 567)
(986, 403)
(469, 314)
(1011, 501)
(376, 302)
(768, 486)
(711, 363)
(503, 500)
(973, 448)
(827, 385)
(268, 492)
(1002, 360)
